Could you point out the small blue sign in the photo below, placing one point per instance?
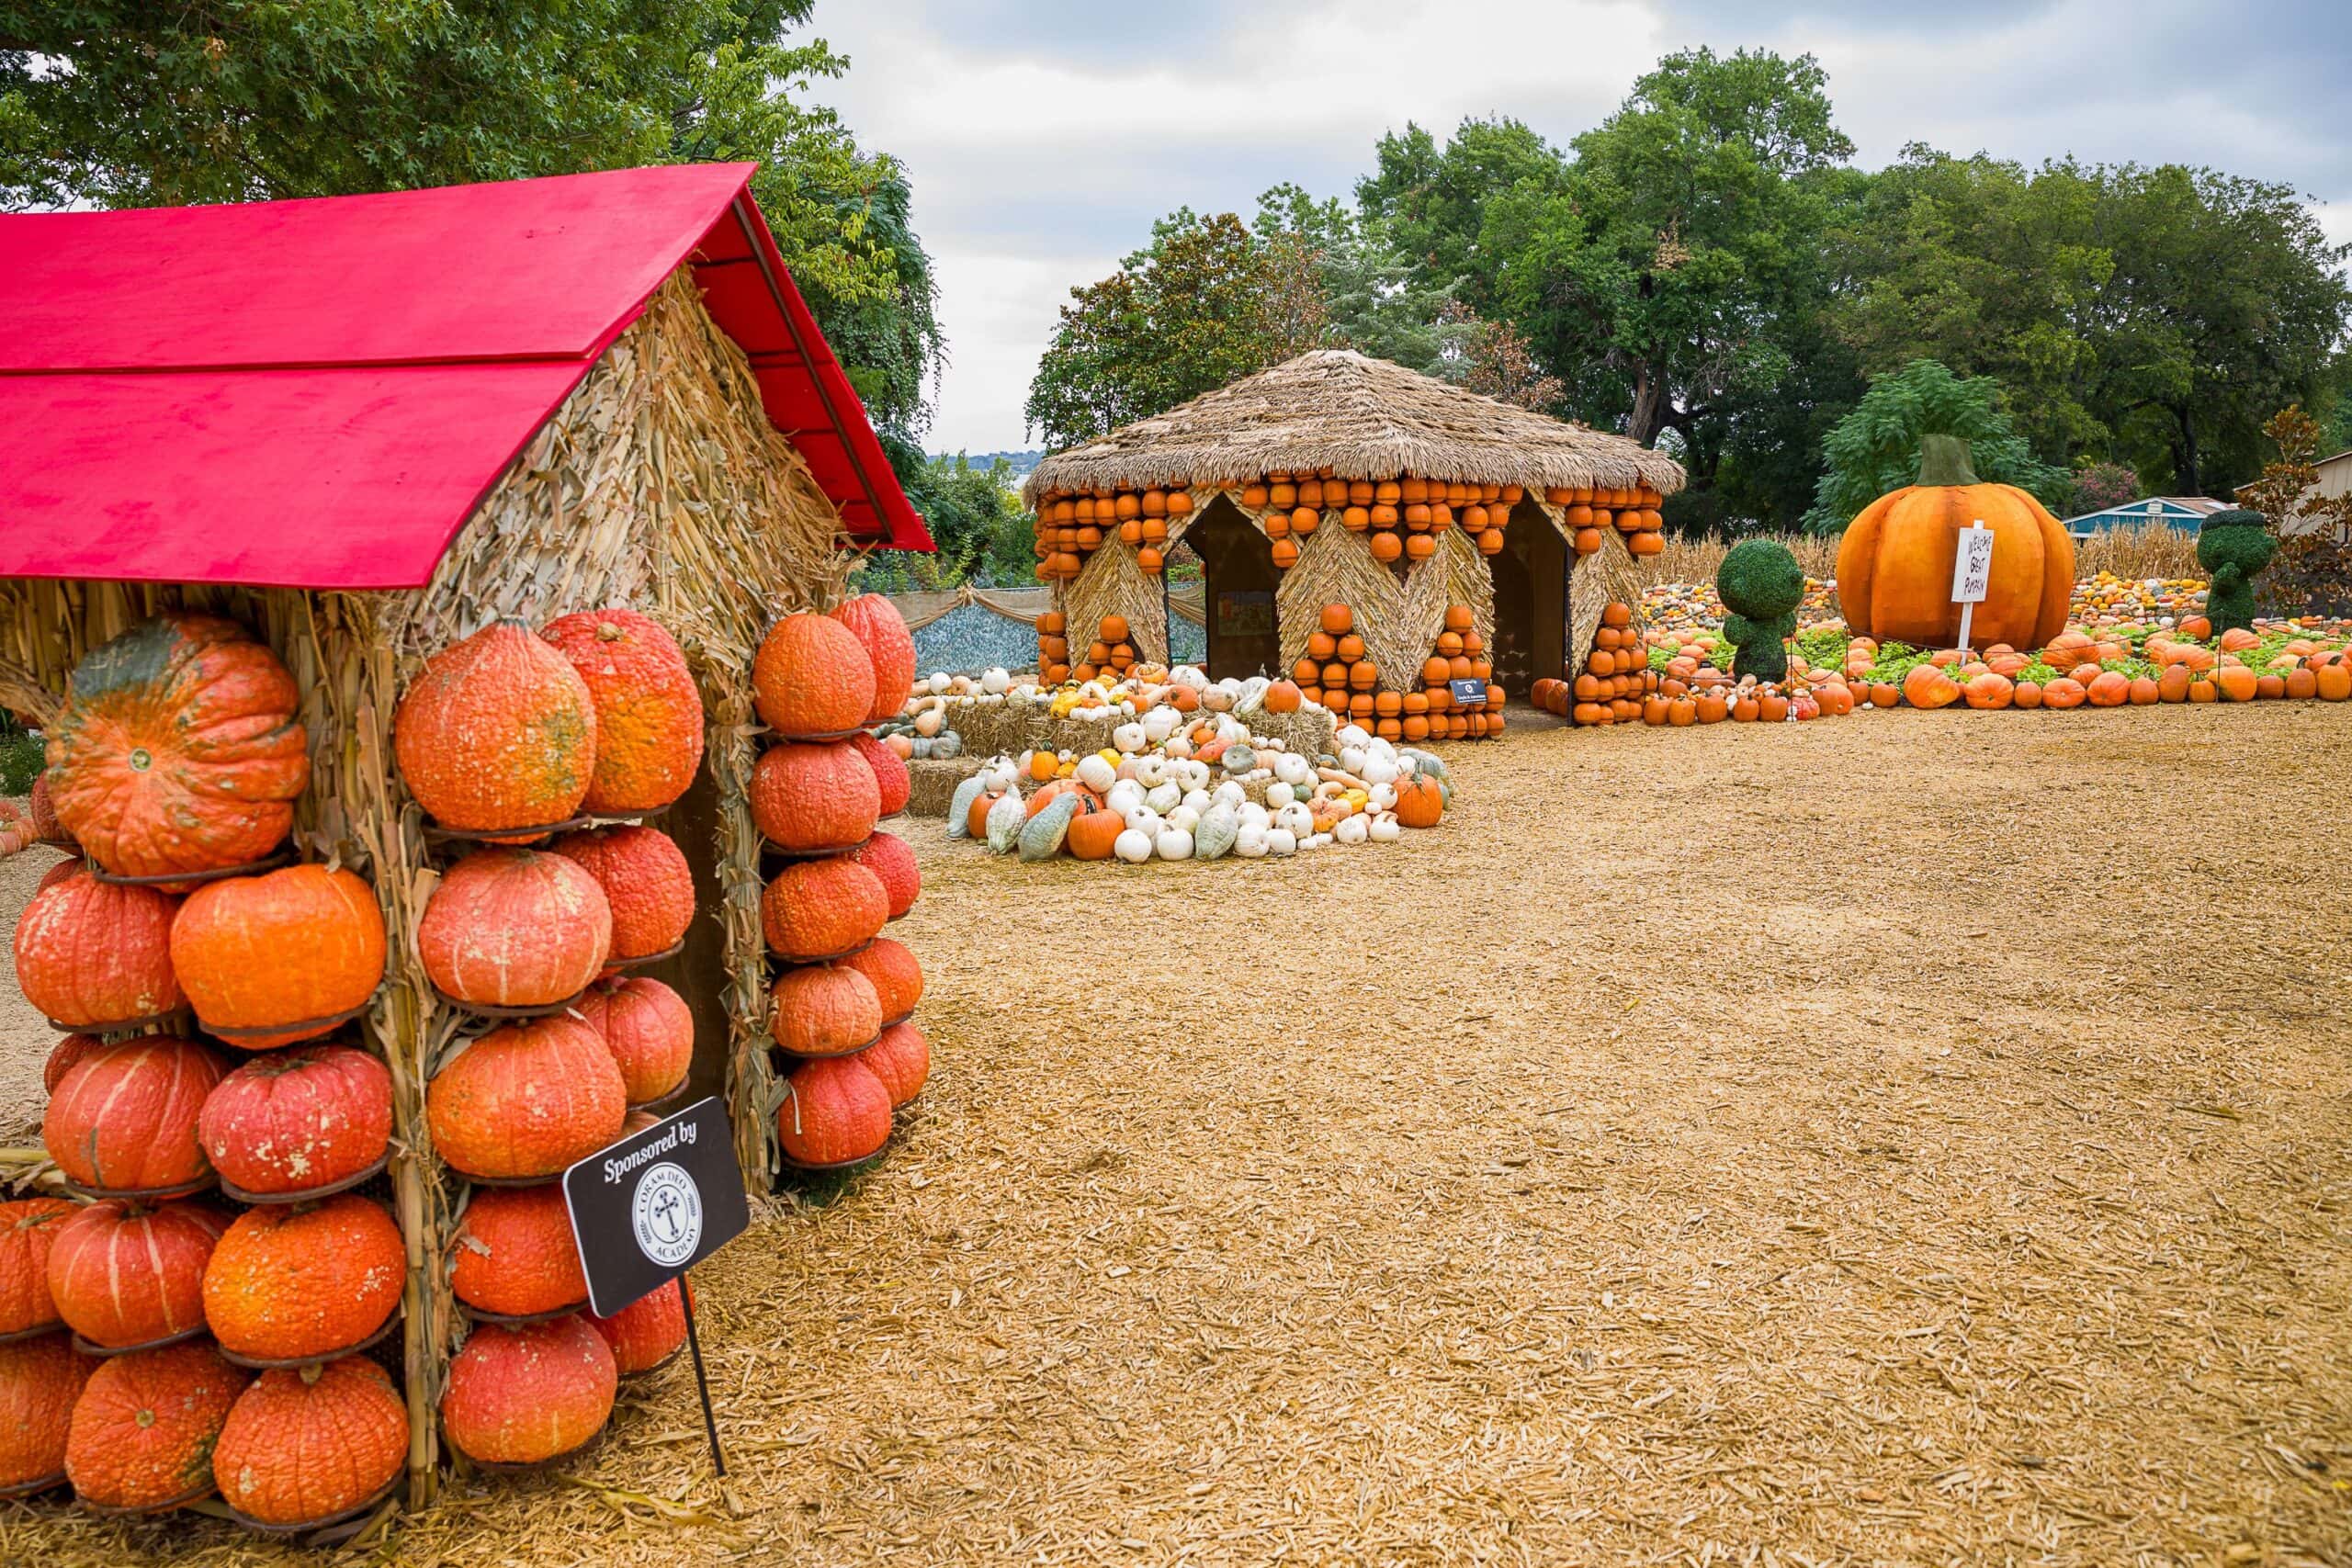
(1469, 693)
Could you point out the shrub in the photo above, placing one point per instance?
(20, 761)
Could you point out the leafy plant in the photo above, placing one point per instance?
(20, 762)
(1875, 450)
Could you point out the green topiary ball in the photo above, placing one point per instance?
(1761, 586)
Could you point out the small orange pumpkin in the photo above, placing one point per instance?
(1421, 800)
(273, 959)
(649, 712)
(497, 731)
(648, 1331)
(92, 954)
(39, 1380)
(821, 908)
(515, 927)
(838, 1110)
(145, 1426)
(646, 881)
(526, 1099)
(650, 1030)
(809, 796)
(514, 1253)
(520, 1394)
(304, 1443)
(824, 1009)
(292, 1279)
(812, 676)
(27, 1227)
(896, 978)
(902, 1059)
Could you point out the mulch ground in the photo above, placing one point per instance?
(1908, 1138)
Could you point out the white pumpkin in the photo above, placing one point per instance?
(1096, 773)
(1293, 770)
(1249, 840)
(938, 683)
(1256, 816)
(1378, 770)
(1133, 846)
(1281, 842)
(1385, 829)
(1160, 723)
(1383, 796)
(1142, 818)
(1297, 818)
(1177, 746)
(1352, 829)
(1163, 796)
(1174, 843)
(996, 680)
(1353, 735)
(1190, 676)
(1185, 817)
(1279, 794)
(1192, 774)
(1151, 771)
(1216, 699)
(1198, 801)
(1352, 759)
(1124, 796)
(1229, 793)
(1129, 738)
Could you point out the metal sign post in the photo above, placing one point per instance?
(1972, 573)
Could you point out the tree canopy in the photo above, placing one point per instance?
(1875, 448)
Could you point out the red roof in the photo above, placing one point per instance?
(317, 394)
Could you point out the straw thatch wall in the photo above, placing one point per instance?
(1595, 581)
(1114, 582)
(1361, 419)
(659, 483)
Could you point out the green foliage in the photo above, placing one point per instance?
(21, 762)
(2235, 545)
(1369, 296)
(1875, 448)
(977, 520)
(2099, 486)
(1761, 586)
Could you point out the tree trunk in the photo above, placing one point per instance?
(1650, 406)
(2184, 453)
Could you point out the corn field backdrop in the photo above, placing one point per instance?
(2143, 550)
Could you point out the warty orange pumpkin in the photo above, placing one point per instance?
(124, 1273)
(809, 796)
(647, 885)
(812, 676)
(272, 959)
(514, 1252)
(822, 909)
(521, 1393)
(649, 712)
(178, 749)
(526, 1099)
(92, 954)
(837, 1111)
(295, 1280)
(891, 966)
(824, 1009)
(515, 927)
(892, 784)
(1894, 564)
(497, 731)
(143, 1430)
(124, 1117)
(650, 1030)
(648, 1331)
(305, 1443)
(39, 1380)
(68, 1050)
(889, 857)
(889, 647)
(27, 1227)
(902, 1060)
(295, 1120)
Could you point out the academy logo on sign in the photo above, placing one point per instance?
(666, 1215)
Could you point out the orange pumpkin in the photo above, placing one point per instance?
(892, 782)
(824, 1009)
(812, 676)
(2332, 683)
(890, 858)
(2237, 684)
(650, 1030)
(1421, 800)
(2172, 686)
(294, 1121)
(178, 749)
(293, 1280)
(838, 1110)
(2064, 693)
(889, 646)
(526, 1099)
(305, 1443)
(272, 959)
(124, 1118)
(39, 1380)
(902, 1060)
(144, 1429)
(648, 1331)
(1990, 690)
(822, 909)
(1894, 564)
(814, 795)
(2110, 689)
(27, 1227)
(123, 1274)
(513, 1253)
(1092, 833)
(1927, 686)
(649, 713)
(497, 731)
(69, 1050)
(514, 928)
(2143, 691)
(646, 883)
(2028, 695)
(896, 978)
(92, 954)
(523, 1392)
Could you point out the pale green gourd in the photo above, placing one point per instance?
(1004, 822)
(1042, 839)
(959, 808)
(1213, 836)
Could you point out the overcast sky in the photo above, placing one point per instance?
(1044, 136)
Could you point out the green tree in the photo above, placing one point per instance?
(978, 522)
(1429, 203)
(1369, 296)
(1875, 448)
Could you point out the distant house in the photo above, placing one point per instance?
(2181, 512)
(2334, 480)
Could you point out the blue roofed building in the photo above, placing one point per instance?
(2181, 512)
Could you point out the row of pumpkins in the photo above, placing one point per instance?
(1336, 673)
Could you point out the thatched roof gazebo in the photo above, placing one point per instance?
(1337, 479)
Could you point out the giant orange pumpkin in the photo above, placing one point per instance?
(272, 959)
(814, 795)
(514, 1253)
(892, 780)
(1894, 565)
(515, 927)
(812, 676)
(123, 1118)
(896, 978)
(902, 1059)
(824, 1009)
(528, 1099)
(646, 881)
(92, 954)
(520, 1394)
(305, 1443)
(497, 731)
(648, 1331)
(27, 1227)
(838, 1110)
(125, 1274)
(878, 626)
(294, 1121)
(144, 1428)
(650, 1030)
(178, 750)
(39, 1380)
(292, 1279)
(891, 859)
(649, 713)
(821, 908)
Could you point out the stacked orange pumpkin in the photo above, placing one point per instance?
(1053, 648)
(1109, 655)
(841, 1000)
(1633, 511)
(1459, 654)
(1616, 675)
(1069, 527)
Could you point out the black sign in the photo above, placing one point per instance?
(646, 1208)
(1469, 693)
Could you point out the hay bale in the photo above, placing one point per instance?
(931, 783)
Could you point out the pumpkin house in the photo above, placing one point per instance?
(1468, 537)
(276, 470)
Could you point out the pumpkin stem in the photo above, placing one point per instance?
(1943, 460)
